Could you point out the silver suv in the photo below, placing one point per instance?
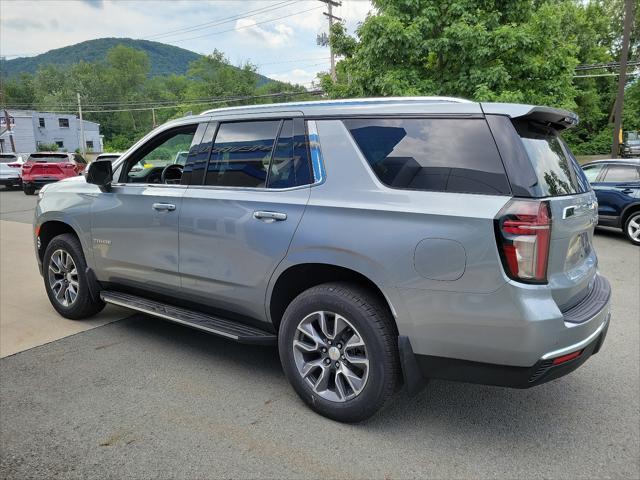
(377, 242)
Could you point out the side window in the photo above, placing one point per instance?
(592, 172)
(169, 148)
(445, 155)
(621, 173)
(242, 153)
(290, 165)
(194, 170)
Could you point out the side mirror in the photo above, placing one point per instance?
(100, 174)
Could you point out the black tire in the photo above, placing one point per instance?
(84, 306)
(28, 189)
(371, 319)
(635, 218)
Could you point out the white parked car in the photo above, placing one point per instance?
(11, 169)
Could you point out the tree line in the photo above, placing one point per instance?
(523, 51)
(122, 82)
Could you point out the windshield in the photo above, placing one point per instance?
(48, 158)
(557, 170)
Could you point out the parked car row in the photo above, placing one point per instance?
(33, 171)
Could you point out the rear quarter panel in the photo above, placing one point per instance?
(353, 220)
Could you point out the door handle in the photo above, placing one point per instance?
(164, 207)
(627, 190)
(272, 216)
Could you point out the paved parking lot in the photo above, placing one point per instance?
(140, 398)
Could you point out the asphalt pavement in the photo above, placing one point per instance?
(141, 398)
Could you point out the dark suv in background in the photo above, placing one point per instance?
(617, 186)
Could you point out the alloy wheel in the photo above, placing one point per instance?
(331, 356)
(63, 278)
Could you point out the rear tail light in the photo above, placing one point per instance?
(14, 165)
(27, 166)
(69, 165)
(523, 229)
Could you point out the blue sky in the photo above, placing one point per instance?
(278, 35)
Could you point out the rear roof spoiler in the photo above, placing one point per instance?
(555, 117)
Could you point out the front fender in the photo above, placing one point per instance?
(70, 208)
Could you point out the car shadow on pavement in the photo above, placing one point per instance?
(467, 409)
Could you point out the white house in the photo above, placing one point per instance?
(31, 129)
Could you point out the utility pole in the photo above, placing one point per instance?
(622, 79)
(331, 17)
(7, 119)
(153, 114)
(83, 144)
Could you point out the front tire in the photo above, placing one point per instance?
(338, 348)
(65, 278)
(632, 228)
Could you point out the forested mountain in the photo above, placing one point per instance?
(164, 59)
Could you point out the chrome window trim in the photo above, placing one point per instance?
(317, 160)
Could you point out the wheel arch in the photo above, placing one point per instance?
(295, 279)
(628, 210)
(50, 229)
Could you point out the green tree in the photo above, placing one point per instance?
(521, 51)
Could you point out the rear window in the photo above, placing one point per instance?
(48, 158)
(443, 155)
(7, 158)
(557, 171)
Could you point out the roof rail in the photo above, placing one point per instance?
(343, 101)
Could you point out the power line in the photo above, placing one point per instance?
(630, 74)
(221, 21)
(596, 66)
(247, 26)
(205, 101)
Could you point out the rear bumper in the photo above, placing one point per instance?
(10, 180)
(41, 181)
(585, 328)
(542, 371)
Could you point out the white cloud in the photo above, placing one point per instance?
(297, 75)
(281, 35)
(288, 32)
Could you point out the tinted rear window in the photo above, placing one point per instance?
(7, 158)
(445, 155)
(48, 158)
(557, 170)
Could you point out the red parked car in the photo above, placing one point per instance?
(48, 167)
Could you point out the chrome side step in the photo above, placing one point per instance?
(207, 323)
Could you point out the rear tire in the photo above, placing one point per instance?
(352, 367)
(65, 278)
(632, 228)
(28, 189)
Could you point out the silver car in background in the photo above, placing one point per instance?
(11, 169)
(377, 242)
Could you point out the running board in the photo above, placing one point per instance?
(200, 321)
